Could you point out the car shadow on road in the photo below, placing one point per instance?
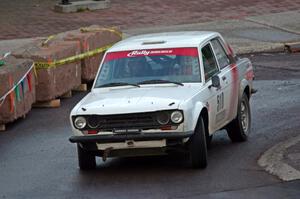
(166, 174)
(174, 162)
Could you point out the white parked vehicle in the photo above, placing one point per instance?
(158, 92)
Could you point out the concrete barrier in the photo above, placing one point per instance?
(53, 81)
(17, 90)
(91, 38)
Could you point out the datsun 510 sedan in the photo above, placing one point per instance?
(158, 92)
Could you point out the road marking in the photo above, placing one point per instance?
(272, 160)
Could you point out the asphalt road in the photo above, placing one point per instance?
(37, 161)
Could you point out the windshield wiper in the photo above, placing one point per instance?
(160, 81)
(117, 84)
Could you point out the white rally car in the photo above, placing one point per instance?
(158, 92)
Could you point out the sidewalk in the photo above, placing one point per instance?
(283, 159)
(268, 33)
(263, 33)
(34, 18)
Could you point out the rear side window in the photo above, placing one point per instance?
(221, 55)
(209, 62)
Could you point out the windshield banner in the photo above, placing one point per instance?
(193, 52)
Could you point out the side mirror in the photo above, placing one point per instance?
(215, 81)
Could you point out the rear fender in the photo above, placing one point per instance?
(244, 83)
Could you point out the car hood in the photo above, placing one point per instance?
(133, 100)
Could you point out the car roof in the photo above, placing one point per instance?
(164, 40)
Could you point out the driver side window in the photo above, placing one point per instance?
(209, 62)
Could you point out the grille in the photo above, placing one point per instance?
(142, 121)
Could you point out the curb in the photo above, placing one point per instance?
(275, 48)
(292, 47)
(254, 46)
(272, 160)
(271, 25)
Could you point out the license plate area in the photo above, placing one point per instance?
(127, 131)
(132, 144)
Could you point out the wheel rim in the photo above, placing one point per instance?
(244, 117)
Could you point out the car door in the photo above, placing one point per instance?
(212, 94)
(224, 99)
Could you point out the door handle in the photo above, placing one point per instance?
(224, 78)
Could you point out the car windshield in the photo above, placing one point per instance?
(176, 65)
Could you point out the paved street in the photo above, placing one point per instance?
(37, 161)
(31, 18)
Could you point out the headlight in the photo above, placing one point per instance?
(163, 118)
(80, 122)
(92, 122)
(176, 117)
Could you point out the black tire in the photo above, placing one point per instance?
(86, 160)
(237, 130)
(208, 141)
(197, 146)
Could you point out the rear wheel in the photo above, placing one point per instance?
(85, 159)
(239, 128)
(197, 146)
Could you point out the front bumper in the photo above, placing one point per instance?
(135, 137)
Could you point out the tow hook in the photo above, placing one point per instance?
(130, 143)
(106, 153)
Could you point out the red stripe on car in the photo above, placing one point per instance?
(235, 87)
(193, 52)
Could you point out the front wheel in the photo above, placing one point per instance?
(197, 146)
(85, 159)
(239, 128)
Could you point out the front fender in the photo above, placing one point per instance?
(191, 113)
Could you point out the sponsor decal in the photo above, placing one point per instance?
(148, 52)
(136, 53)
(152, 52)
(220, 102)
(220, 116)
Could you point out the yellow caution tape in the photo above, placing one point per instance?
(34, 70)
(48, 39)
(45, 65)
(117, 32)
